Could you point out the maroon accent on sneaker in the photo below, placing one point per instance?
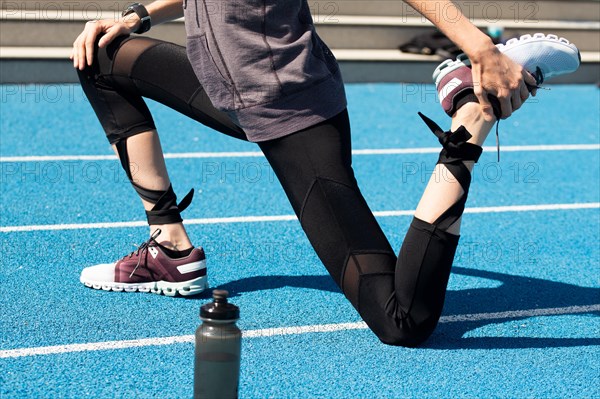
(453, 87)
(456, 90)
(159, 268)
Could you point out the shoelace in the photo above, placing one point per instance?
(539, 79)
(142, 248)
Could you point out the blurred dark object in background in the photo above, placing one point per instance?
(430, 43)
(435, 42)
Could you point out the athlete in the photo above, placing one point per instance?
(261, 73)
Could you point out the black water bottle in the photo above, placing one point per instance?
(218, 350)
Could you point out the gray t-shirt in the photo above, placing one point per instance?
(263, 64)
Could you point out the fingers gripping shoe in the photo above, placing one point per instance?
(150, 269)
(544, 56)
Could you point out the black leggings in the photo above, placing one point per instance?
(400, 299)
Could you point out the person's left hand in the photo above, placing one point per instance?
(82, 53)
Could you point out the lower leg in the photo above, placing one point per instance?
(121, 75)
(443, 190)
(428, 250)
(148, 170)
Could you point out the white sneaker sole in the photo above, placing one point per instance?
(186, 288)
(553, 55)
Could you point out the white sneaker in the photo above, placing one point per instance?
(544, 56)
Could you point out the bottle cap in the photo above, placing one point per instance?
(219, 308)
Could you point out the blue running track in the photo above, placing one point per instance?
(522, 311)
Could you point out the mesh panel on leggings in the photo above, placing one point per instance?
(134, 67)
(164, 70)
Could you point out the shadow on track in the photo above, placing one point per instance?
(516, 293)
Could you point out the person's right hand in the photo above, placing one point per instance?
(83, 47)
(499, 77)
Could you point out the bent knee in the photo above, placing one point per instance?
(104, 58)
(408, 339)
(407, 333)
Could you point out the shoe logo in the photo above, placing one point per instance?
(449, 87)
(192, 267)
(153, 251)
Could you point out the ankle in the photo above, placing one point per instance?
(173, 236)
(175, 254)
(471, 117)
(468, 114)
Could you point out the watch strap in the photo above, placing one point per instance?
(142, 13)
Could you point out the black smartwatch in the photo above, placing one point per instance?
(140, 10)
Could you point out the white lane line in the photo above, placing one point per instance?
(95, 346)
(287, 218)
(282, 331)
(254, 154)
(115, 225)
